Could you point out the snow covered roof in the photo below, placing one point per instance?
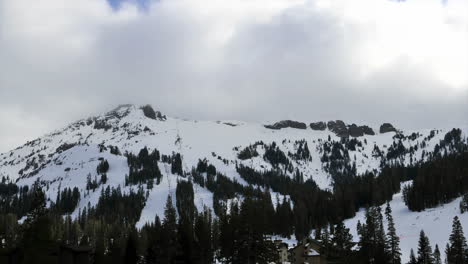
(311, 252)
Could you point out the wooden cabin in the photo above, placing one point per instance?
(307, 251)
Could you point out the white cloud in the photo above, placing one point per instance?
(373, 60)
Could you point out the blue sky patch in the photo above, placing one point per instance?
(142, 4)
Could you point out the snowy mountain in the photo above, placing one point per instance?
(70, 156)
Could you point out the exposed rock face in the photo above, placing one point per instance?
(359, 131)
(286, 124)
(367, 130)
(387, 127)
(318, 126)
(355, 131)
(342, 130)
(338, 127)
(149, 112)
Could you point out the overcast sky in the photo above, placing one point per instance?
(361, 61)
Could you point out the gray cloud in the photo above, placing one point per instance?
(293, 61)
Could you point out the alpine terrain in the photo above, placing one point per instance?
(134, 166)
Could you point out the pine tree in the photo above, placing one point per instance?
(412, 258)
(436, 255)
(372, 237)
(342, 240)
(457, 251)
(176, 165)
(464, 204)
(424, 249)
(393, 240)
(169, 232)
(37, 241)
(131, 256)
(185, 201)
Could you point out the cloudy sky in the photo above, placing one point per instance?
(363, 60)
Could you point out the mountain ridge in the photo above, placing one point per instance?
(70, 157)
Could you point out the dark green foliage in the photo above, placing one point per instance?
(203, 238)
(424, 249)
(249, 151)
(7, 188)
(114, 205)
(302, 151)
(185, 200)
(336, 159)
(275, 156)
(131, 256)
(9, 229)
(91, 184)
(102, 167)
(37, 243)
(115, 150)
(143, 167)
(204, 167)
(283, 218)
(176, 165)
(17, 200)
(314, 207)
(372, 241)
(243, 234)
(436, 254)
(457, 249)
(342, 241)
(464, 203)
(412, 258)
(311, 204)
(104, 178)
(169, 233)
(67, 200)
(396, 150)
(393, 241)
(438, 181)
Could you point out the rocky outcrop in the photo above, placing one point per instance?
(286, 124)
(320, 126)
(338, 127)
(341, 129)
(149, 112)
(359, 131)
(355, 131)
(367, 130)
(387, 127)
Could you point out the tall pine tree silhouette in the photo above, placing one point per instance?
(393, 241)
(457, 249)
(436, 255)
(424, 249)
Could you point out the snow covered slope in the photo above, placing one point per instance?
(66, 157)
(436, 222)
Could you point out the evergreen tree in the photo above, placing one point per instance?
(412, 258)
(342, 240)
(37, 243)
(424, 249)
(204, 238)
(185, 201)
(131, 256)
(372, 237)
(457, 251)
(436, 255)
(393, 241)
(169, 232)
(464, 204)
(176, 165)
